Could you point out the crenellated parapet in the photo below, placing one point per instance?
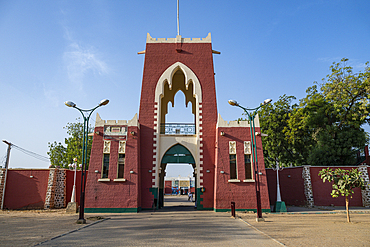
(223, 123)
(178, 39)
(101, 123)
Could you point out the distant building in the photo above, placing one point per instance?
(179, 185)
(128, 158)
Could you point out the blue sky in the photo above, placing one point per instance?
(85, 51)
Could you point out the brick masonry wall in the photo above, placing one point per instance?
(114, 194)
(158, 57)
(56, 190)
(308, 192)
(49, 200)
(291, 185)
(300, 184)
(321, 191)
(365, 193)
(242, 193)
(26, 188)
(60, 189)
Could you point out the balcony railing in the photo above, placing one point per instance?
(177, 129)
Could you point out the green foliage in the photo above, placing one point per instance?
(337, 146)
(325, 127)
(344, 181)
(274, 119)
(61, 156)
(57, 153)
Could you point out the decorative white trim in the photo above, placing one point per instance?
(119, 180)
(249, 181)
(233, 180)
(164, 142)
(232, 147)
(104, 180)
(106, 147)
(167, 76)
(178, 39)
(247, 147)
(115, 130)
(100, 123)
(122, 147)
(223, 123)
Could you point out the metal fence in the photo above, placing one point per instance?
(177, 129)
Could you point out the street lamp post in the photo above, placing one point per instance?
(74, 166)
(279, 204)
(86, 116)
(251, 115)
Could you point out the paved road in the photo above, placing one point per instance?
(171, 226)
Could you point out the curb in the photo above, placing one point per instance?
(64, 234)
(262, 232)
(328, 212)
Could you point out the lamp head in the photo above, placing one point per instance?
(266, 101)
(104, 102)
(70, 104)
(233, 102)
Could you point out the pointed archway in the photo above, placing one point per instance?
(177, 154)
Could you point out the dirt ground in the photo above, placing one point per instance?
(314, 229)
(28, 228)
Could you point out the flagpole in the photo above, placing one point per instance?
(178, 21)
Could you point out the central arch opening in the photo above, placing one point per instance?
(179, 191)
(178, 106)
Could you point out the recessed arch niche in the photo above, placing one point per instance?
(178, 77)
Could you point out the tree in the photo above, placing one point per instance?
(348, 93)
(334, 114)
(61, 156)
(344, 181)
(274, 122)
(325, 128)
(57, 154)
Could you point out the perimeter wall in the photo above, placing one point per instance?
(302, 186)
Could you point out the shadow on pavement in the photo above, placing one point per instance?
(177, 203)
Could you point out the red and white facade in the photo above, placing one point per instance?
(147, 143)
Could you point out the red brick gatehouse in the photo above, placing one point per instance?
(129, 158)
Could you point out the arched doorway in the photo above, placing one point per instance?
(177, 154)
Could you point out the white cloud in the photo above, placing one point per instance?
(80, 61)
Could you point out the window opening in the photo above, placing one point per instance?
(105, 166)
(233, 173)
(179, 111)
(248, 166)
(121, 165)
